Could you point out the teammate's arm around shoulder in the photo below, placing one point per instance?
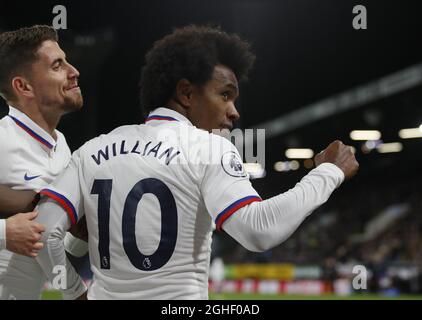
(14, 201)
(260, 226)
(21, 234)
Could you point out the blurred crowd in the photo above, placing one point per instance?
(336, 235)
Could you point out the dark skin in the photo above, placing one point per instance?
(12, 201)
(341, 155)
(84, 296)
(80, 230)
(27, 233)
(23, 234)
(212, 106)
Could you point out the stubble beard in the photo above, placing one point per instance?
(73, 104)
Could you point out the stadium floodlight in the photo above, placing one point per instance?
(299, 153)
(280, 166)
(390, 147)
(308, 163)
(294, 165)
(411, 133)
(285, 166)
(365, 135)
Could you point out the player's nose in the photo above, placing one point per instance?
(73, 72)
(232, 113)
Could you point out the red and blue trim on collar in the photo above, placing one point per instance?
(32, 133)
(226, 213)
(64, 202)
(158, 117)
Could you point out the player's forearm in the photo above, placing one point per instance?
(52, 258)
(263, 225)
(14, 201)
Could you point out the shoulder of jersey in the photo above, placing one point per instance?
(228, 156)
(5, 122)
(219, 140)
(123, 129)
(61, 134)
(5, 125)
(99, 139)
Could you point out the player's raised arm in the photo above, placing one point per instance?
(261, 225)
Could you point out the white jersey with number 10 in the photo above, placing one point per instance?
(151, 194)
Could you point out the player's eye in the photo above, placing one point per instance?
(226, 95)
(57, 65)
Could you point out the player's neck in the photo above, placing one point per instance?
(46, 118)
(173, 105)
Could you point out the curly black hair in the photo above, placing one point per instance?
(191, 53)
(18, 50)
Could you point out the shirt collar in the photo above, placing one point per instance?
(165, 114)
(31, 128)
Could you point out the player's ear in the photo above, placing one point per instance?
(184, 91)
(21, 87)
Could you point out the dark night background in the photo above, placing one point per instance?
(306, 51)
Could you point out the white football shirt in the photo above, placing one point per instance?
(2, 234)
(30, 160)
(151, 194)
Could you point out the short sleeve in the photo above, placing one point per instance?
(225, 186)
(5, 141)
(2, 234)
(66, 189)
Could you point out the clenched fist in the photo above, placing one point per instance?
(340, 155)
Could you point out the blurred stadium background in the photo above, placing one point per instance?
(316, 79)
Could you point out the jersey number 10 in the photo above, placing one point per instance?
(162, 255)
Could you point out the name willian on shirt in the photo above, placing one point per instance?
(149, 149)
